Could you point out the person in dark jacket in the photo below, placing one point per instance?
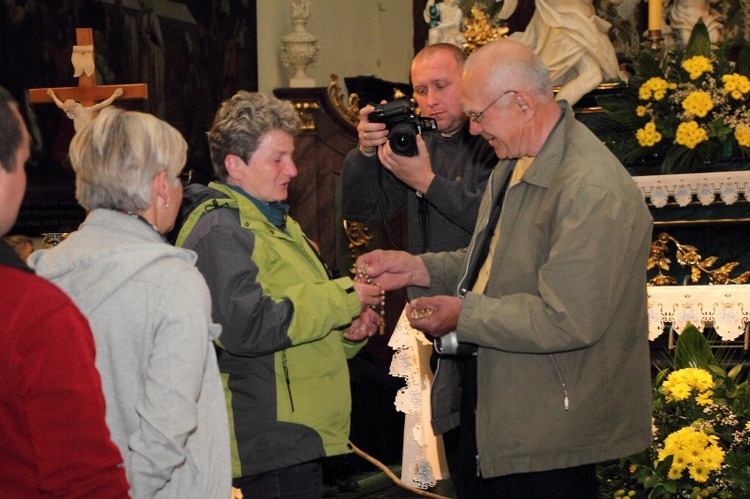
(441, 187)
(54, 441)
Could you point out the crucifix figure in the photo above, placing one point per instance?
(80, 103)
(79, 113)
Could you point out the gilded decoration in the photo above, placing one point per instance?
(306, 111)
(479, 31)
(349, 111)
(687, 256)
(359, 238)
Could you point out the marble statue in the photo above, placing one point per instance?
(685, 13)
(571, 40)
(448, 27)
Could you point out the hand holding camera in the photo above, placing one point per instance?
(403, 124)
(371, 135)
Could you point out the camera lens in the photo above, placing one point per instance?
(403, 139)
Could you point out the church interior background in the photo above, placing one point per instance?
(195, 53)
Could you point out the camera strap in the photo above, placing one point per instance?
(381, 208)
(423, 211)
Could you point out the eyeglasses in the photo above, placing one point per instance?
(477, 117)
(186, 177)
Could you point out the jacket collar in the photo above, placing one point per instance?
(250, 214)
(10, 258)
(275, 212)
(546, 163)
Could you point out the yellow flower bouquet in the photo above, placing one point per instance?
(701, 425)
(688, 110)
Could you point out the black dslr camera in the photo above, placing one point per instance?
(403, 124)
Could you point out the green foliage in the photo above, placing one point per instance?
(692, 350)
(699, 42)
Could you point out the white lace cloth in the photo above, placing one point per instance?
(702, 186)
(423, 459)
(726, 307)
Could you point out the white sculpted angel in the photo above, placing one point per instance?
(572, 42)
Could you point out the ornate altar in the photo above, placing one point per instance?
(710, 210)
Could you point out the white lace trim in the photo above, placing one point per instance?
(703, 186)
(423, 461)
(726, 307)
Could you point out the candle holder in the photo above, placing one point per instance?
(655, 41)
(52, 239)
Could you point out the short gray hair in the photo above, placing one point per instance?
(242, 121)
(116, 155)
(510, 63)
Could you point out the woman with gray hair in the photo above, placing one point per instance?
(288, 325)
(148, 306)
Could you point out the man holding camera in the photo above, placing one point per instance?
(441, 185)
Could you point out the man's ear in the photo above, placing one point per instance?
(233, 164)
(527, 104)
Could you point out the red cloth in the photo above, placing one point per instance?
(54, 441)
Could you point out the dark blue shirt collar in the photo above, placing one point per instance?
(276, 212)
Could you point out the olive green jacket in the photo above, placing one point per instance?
(562, 327)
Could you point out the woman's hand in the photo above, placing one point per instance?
(370, 295)
(364, 326)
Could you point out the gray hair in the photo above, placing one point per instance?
(116, 155)
(510, 63)
(10, 131)
(241, 123)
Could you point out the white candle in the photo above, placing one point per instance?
(654, 15)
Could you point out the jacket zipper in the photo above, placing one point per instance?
(562, 381)
(461, 291)
(286, 377)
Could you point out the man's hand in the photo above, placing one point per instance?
(371, 135)
(364, 326)
(435, 315)
(394, 269)
(414, 171)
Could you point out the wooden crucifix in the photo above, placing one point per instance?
(79, 102)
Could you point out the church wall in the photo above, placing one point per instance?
(356, 37)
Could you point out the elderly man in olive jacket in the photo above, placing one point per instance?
(550, 294)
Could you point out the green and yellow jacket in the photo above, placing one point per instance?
(282, 353)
